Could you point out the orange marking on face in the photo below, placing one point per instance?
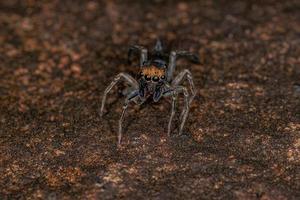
(153, 71)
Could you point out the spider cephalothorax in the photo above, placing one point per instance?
(156, 80)
(152, 78)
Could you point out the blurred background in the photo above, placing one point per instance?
(241, 140)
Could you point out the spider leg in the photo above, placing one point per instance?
(117, 79)
(138, 50)
(129, 98)
(158, 46)
(174, 97)
(185, 111)
(174, 55)
(121, 122)
(171, 66)
(181, 77)
(186, 108)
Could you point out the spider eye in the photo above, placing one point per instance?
(141, 74)
(147, 77)
(162, 77)
(155, 78)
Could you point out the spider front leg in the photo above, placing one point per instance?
(119, 77)
(129, 98)
(121, 122)
(185, 74)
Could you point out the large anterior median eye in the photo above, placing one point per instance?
(163, 77)
(155, 78)
(148, 78)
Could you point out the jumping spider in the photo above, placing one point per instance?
(156, 80)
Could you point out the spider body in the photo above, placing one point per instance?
(156, 80)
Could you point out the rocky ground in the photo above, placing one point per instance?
(241, 140)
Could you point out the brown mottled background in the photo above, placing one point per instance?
(242, 138)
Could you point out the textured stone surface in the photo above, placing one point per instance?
(242, 136)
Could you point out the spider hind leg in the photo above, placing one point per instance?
(185, 111)
(143, 54)
(182, 76)
(174, 55)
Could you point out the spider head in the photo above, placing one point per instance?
(154, 71)
(152, 78)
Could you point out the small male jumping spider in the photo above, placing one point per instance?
(156, 80)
